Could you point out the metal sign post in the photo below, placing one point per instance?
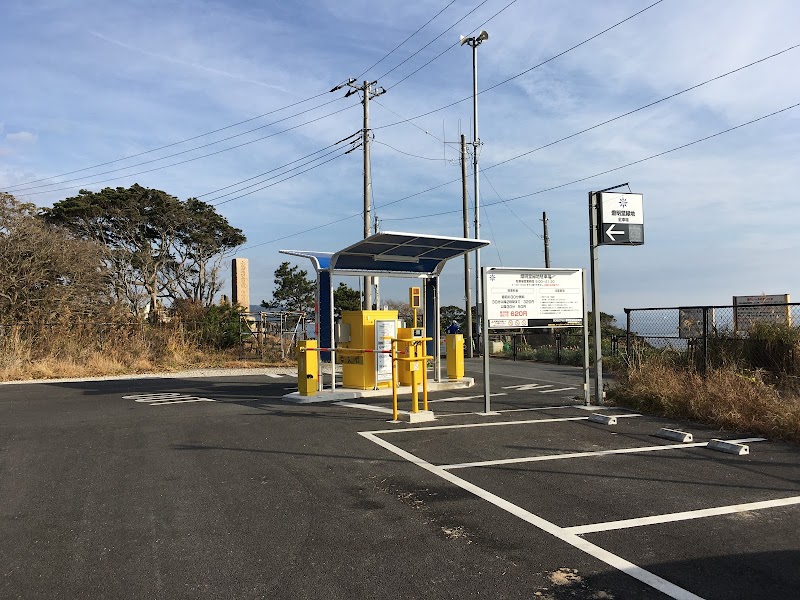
(615, 219)
(531, 299)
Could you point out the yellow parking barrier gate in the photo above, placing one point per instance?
(414, 358)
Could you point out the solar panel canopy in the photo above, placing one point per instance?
(393, 253)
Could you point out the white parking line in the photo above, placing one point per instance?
(557, 390)
(380, 409)
(646, 577)
(524, 459)
(455, 398)
(497, 424)
(682, 516)
(513, 410)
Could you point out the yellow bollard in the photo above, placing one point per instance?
(425, 383)
(307, 367)
(455, 355)
(414, 377)
(395, 412)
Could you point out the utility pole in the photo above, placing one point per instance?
(546, 242)
(368, 90)
(465, 213)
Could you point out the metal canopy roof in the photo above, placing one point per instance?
(393, 254)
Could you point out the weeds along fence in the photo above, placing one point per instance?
(75, 338)
(562, 346)
(763, 337)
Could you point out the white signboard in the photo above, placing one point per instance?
(384, 332)
(621, 219)
(748, 310)
(533, 297)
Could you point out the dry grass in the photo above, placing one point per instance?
(725, 398)
(122, 351)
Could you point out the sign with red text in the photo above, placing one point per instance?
(533, 297)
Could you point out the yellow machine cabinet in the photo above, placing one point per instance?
(455, 355)
(371, 330)
(405, 350)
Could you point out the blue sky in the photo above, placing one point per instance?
(90, 82)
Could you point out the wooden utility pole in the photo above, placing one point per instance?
(546, 242)
(368, 91)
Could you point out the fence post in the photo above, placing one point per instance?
(514, 338)
(558, 348)
(705, 339)
(627, 333)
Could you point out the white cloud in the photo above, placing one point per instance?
(22, 137)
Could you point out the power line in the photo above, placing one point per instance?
(241, 189)
(409, 154)
(511, 210)
(428, 22)
(665, 98)
(587, 40)
(358, 214)
(174, 143)
(410, 122)
(276, 168)
(606, 122)
(17, 188)
(522, 73)
(195, 158)
(450, 47)
(429, 43)
(182, 152)
(636, 162)
(492, 237)
(280, 181)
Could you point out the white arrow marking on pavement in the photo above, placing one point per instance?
(527, 386)
(610, 232)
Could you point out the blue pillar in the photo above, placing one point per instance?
(431, 314)
(325, 341)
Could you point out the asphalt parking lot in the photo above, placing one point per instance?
(217, 488)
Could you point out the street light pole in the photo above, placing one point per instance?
(474, 42)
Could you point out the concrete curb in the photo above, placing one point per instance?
(349, 394)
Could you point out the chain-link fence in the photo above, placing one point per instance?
(563, 346)
(750, 337)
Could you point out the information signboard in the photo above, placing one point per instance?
(384, 332)
(748, 310)
(530, 298)
(621, 219)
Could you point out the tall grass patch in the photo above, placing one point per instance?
(725, 397)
